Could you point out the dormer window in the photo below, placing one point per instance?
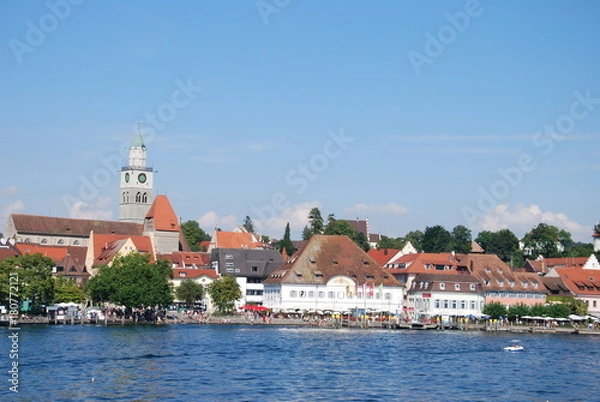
(472, 286)
(457, 286)
(442, 286)
(182, 274)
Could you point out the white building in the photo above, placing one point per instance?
(332, 273)
(444, 295)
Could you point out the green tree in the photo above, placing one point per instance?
(132, 281)
(437, 239)
(189, 292)
(361, 240)
(503, 243)
(576, 306)
(224, 292)
(388, 242)
(558, 310)
(494, 310)
(66, 290)
(517, 311)
(461, 239)
(286, 242)
(415, 238)
(248, 224)
(194, 234)
(34, 273)
(580, 250)
(315, 224)
(544, 239)
(538, 310)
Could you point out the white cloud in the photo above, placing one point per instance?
(523, 218)
(296, 215)
(211, 220)
(12, 208)
(376, 209)
(9, 191)
(99, 210)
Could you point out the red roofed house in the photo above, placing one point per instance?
(503, 285)
(334, 273)
(69, 260)
(104, 248)
(542, 265)
(194, 266)
(583, 282)
(8, 249)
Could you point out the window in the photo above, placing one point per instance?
(388, 296)
(230, 270)
(61, 241)
(331, 295)
(254, 269)
(138, 197)
(472, 305)
(293, 293)
(311, 294)
(457, 286)
(229, 256)
(182, 274)
(44, 241)
(340, 295)
(321, 294)
(76, 243)
(445, 303)
(145, 198)
(594, 303)
(442, 286)
(437, 303)
(500, 282)
(302, 293)
(229, 264)
(472, 286)
(454, 304)
(463, 304)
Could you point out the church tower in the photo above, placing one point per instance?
(137, 183)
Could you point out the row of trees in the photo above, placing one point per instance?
(543, 239)
(559, 307)
(131, 281)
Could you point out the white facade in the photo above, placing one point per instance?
(421, 304)
(338, 294)
(137, 183)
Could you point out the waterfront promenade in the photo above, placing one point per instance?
(183, 319)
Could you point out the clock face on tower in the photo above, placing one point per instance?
(127, 177)
(142, 177)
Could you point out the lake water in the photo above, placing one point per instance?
(279, 363)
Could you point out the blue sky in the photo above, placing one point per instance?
(434, 101)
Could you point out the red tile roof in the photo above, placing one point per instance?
(163, 216)
(495, 275)
(55, 253)
(383, 255)
(237, 240)
(34, 224)
(107, 246)
(187, 259)
(425, 263)
(8, 251)
(581, 281)
(324, 257)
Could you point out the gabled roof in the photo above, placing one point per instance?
(383, 255)
(495, 275)
(556, 286)
(163, 216)
(55, 253)
(325, 257)
(424, 263)
(106, 247)
(192, 260)
(190, 273)
(48, 225)
(434, 283)
(579, 281)
(236, 240)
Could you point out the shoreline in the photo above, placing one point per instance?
(331, 324)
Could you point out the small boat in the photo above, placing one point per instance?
(515, 346)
